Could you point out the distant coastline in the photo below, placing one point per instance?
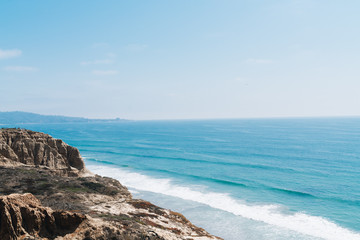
(19, 117)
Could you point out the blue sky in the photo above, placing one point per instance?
(180, 59)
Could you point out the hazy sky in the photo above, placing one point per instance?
(180, 59)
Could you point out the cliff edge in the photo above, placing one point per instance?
(45, 194)
(21, 146)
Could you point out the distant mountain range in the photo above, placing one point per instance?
(26, 117)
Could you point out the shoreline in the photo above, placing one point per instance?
(298, 222)
(132, 146)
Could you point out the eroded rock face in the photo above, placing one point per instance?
(23, 216)
(74, 206)
(39, 149)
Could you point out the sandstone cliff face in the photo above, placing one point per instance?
(23, 216)
(110, 210)
(44, 204)
(20, 146)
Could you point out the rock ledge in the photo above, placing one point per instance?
(21, 146)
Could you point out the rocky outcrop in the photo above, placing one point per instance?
(109, 209)
(20, 146)
(44, 204)
(24, 216)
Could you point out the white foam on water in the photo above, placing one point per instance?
(270, 214)
(132, 191)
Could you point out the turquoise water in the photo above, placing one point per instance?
(239, 179)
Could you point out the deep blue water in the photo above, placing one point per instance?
(258, 179)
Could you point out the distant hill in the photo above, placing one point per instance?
(26, 117)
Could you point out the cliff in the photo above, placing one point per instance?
(52, 196)
(23, 215)
(20, 146)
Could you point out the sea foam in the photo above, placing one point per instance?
(271, 214)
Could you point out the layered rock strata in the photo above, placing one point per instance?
(23, 215)
(20, 146)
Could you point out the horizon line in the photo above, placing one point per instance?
(194, 119)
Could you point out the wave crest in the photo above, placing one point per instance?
(271, 214)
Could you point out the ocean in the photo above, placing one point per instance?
(238, 179)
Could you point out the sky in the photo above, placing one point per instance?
(186, 59)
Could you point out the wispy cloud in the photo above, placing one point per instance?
(20, 69)
(258, 61)
(96, 62)
(9, 53)
(104, 72)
